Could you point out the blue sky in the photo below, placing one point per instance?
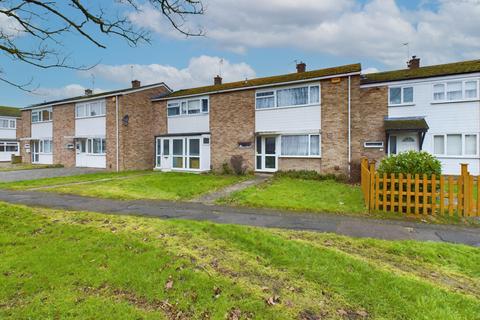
(261, 38)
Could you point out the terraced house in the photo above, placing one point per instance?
(9, 121)
(324, 120)
(108, 130)
(433, 108)
(308, 120)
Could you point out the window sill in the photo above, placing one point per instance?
(455, 101)
(457, 157)
(90, 117)
(290, 107)
(402, 105)
(38, 122)
(301, 157)
(204, 114)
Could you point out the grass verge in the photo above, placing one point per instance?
(25, 166)
(58, 264)
(132, 185)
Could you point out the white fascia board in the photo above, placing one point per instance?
(272, 85)
(100, 97)
(422, 80)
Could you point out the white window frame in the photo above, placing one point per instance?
(88, 107)
(463, 155)
(89, 146)
(402, 98)
(41, 146)
(183, 107)
(373, 144)
(6, 144)
(316, 156)
(275, 101)
(40, 115)
(445, 86)
(186, 156)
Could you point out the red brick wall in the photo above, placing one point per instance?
(232, 120)
(24, 131)
(63, 126)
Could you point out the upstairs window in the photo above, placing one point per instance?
(288, 97)
(455, 91)
(4, 123)
(43, 115)
(188, 107)
(90, 109)
(400, 95)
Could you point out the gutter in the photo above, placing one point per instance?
(349, 126)
(270, 85)
(117, 105)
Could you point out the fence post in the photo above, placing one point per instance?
(372, 186)
(467, 193)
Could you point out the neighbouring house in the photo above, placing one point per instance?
(109, 130)
(308, 120)
(9, 121)
(433, 108)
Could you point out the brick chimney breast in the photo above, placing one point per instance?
(88, 92)
(301, 67)
(136, 84)
(414, 63)
(217, 80)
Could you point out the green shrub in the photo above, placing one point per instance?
(310, 175)
(412, 162)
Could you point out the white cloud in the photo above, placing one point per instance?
(9, 27)
(67, 91)
(200, 71)
(369, 70)
(375, 29)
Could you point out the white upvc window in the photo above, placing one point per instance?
(194, 106)
(455, 144)
(45, 146)
(456, 91)
(400, 96)
(96, 146)
(8, 146)
(4, 123)
(42, 115)
(301, 145)
(90, 109)
(288, 97)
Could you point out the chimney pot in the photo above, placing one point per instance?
(88, 92)
(136, 84)
(217, 80)
(414, 63)
(301, 67)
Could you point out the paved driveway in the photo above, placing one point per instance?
(34, 174)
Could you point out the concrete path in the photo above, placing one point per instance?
(19, 175)
(346, 225)
(210, 198)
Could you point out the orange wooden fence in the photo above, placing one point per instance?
(421, 195)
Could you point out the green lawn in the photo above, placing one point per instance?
(304, 195)
(73, 265)
(132, 185)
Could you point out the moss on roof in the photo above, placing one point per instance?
(424, 72)
(405, 124)
(266, 81)
(10, 112)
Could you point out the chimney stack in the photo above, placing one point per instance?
(414, 63)
(301, 67)
(88, 92)
(136, 84)
(217, 80)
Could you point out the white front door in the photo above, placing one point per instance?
(266, 154)
(35, 151)
(407, 143)
(182, 153)
(81, 152)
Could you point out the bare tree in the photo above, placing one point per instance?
(35, 28)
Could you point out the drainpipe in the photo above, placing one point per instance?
(349, 127)
(116, 133)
